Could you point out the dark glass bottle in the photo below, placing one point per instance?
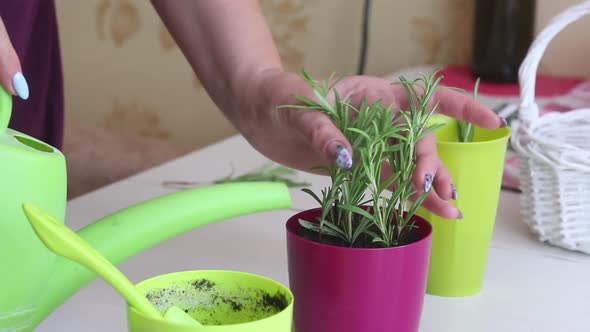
(503, 32)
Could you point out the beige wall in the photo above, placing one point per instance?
(568, 53)
(123, 72)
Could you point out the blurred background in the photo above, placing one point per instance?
(133, 102)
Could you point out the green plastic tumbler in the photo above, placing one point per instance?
(223, 301)
(460, 247)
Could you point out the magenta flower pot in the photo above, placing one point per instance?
(341, 289)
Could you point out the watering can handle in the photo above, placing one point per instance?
(5, 108)
(529, 111)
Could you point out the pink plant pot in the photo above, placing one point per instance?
(342, 289)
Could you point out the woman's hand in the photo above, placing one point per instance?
(306, 139)
(239, 65)
(11, 76)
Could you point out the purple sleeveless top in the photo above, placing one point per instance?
(32, 27)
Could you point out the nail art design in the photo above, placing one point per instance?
(343, 157)
(504, 122)
(455, 195)
(20, 85)
(427, 183)
(459, 215)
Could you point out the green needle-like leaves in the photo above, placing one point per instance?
(381, 136)
(465, 128)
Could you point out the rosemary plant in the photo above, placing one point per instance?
(361, 208)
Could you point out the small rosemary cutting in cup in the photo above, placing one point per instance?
(465, 129)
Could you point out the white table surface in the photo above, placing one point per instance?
(529, 286)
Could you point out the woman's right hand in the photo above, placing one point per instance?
(11, 76)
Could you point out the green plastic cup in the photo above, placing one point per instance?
(460, 247)
(223, 301)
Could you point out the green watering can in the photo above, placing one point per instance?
(34, 281)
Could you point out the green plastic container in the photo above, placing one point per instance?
(223, 301)
(31, 171)
(460, 247)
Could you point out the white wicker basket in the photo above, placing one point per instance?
(555, 154)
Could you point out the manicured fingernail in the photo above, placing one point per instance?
(504, 122)
(20, 85)
(427, 183)
(343, 157)
(459, 214)
(455, 195)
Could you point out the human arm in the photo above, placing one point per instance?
(231, 50)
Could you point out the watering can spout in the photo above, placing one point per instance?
(141, 226)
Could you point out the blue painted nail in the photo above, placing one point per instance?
(455, 194)
(459, 215)
(20, 85)
(427, 183)
(504, 122)
(343, 157)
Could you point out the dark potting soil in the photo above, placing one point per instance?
(215, 305)
(278, 301)
(203, 284)
(363, 241)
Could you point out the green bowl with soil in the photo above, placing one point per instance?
(226, 301)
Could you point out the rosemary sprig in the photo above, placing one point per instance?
(266, 173)
(465, 129)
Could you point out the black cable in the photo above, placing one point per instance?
(364, 37)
